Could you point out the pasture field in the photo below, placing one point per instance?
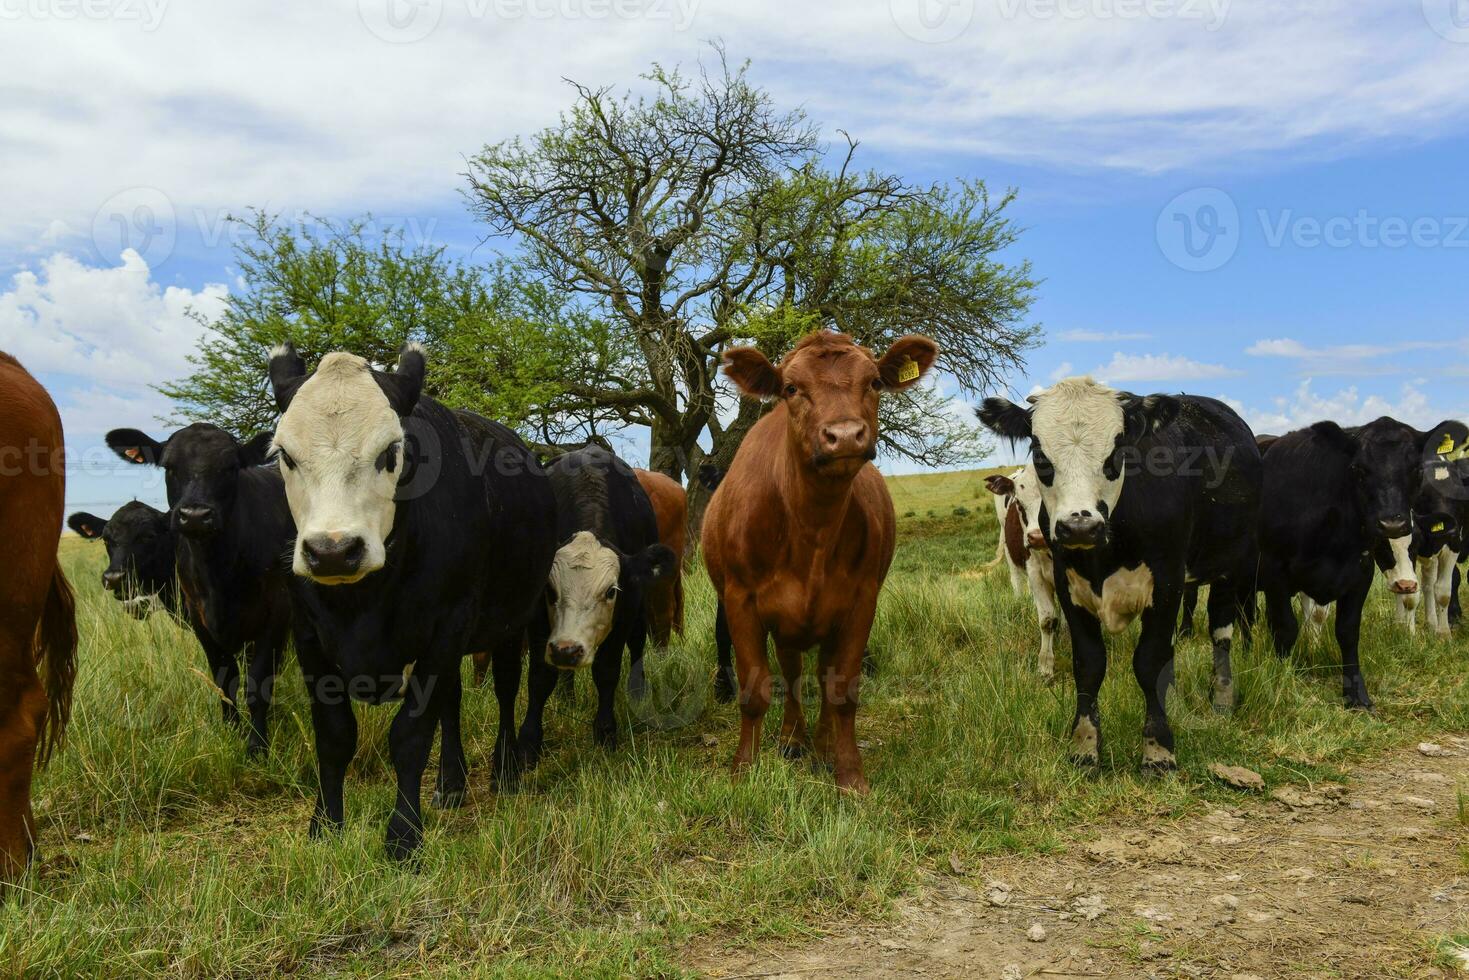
(166, 853)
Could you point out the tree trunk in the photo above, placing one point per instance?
(726, 443)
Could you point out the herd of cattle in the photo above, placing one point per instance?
(386, 537)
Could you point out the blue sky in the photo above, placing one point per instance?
(1260, 201)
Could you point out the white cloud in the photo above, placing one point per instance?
(1346, 359)
(1348, 406)
(1157, 367)
(291, 104)
(1099, 336)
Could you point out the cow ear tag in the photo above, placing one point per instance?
(1447, 446)
(1436, 528)
(908, 370)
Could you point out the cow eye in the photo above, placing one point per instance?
(551, 594)
(388, 458)
(611, 594)
(877, 384)
(790, 391)
(286, 458)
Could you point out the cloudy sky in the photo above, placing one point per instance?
(1264, 201)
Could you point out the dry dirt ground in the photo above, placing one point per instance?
(1363, 880)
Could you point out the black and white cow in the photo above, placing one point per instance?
(1140, 495)
(140, 562)
(425, 535)
(1025, 552)
(609, 554)
(228, 516)
(1440, 515)
(1337, 496)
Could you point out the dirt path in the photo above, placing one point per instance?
(1356, 881)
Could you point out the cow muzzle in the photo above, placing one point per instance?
(1080, 531)
(567, 655)
(113, 581)
(1393, 527)
(334, 557)
(1404, 586)
(1035, 541)
(197, 521)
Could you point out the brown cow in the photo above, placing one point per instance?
(801, 532)
(665, 596)
(37, 616)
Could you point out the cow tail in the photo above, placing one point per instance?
(55, 647)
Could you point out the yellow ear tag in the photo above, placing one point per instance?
(908, 371)
(1436, 527)
(1447, 446)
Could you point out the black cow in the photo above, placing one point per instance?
(232, 530)
(1337, 496)
(1140, 496)
(140, 556)
(609, 555)
(425, 535)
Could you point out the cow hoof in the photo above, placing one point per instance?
(1355, 696)
(792, 750)
(1158, 768)
(1360, 703)
(1085, 761)
(508, 769)
(255, 750)
(869, 664)
(403, 847)
(854, 785)
(606, 738)
(724, 687)
(1223, 701)
(322, 827)
(450, 799)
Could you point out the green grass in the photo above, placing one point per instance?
(167, 853)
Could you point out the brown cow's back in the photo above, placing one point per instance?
(671, 509)
(36, 612)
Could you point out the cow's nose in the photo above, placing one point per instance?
(844, 437)
(193, 518)
(333, 557)
(112, 580)
(1080, 531)
(565, 654)
(1035, 540)
(1393, 527)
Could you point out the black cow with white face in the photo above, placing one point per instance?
(425, 535)
(609, 555)
(1140, 496)
(1338, 497)
(228, 516)
(140, 563)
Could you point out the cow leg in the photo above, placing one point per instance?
(1348, 633)
(224, 670)
(481, 667)
(1190, 607)
(678, 599)
(637, 641)
(22, 708)
(505, 665)
(335, 728)
(747, 635)
(1442, 584)
(409, 740)
(1455, 612)
(724, 678)
(1283, 626)
(794, 741)
(1405, 614)
(453, 777)
(606, 671)
(1222, 610)
(1088, 667)
(264, 664)
(1152, 665)
(841, 678)
(1044, 596)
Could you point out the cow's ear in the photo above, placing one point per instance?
(256, 451)
(752, 372)
(654, 562)
(1005, 418)
(135, 447)
(1147, 415)
(1446, 441)
(89, 526)
(1336, 437)
(906, 361)
(1000, 486)
(287, 371)
(405, 384)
